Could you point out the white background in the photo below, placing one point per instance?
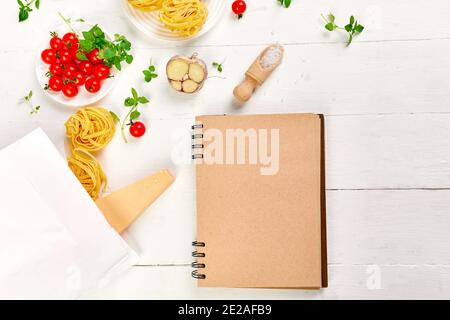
(386, 99)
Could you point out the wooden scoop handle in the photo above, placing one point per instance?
(245, 89)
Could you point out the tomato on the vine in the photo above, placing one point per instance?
(69, 90)
(101, 71)
(137, 129)
(56, 43)
(239, 7)
(65, 56)
(56, 69)
(49, 56)
(93, 56)
(86, 67)
(55, 83)
(71, 41)
(93, 85)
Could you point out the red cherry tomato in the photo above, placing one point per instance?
(93, 85)
(93, 56)
(56, 43)
(48, 56)
(71, 41)
(69, 90)
(69, 66)
(56, 69)
(137, 129)
(65, 56)
(101, 71)
(69, 71)
(80, 78)
(86, 67)
(239, 7)
(55, 83)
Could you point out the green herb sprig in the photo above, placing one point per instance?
(285, 3)
(133, 114)
(150, 73)
(113, 52)
(352, 28)
(218, 66)
(68, 22)
(25, 7)
(28, 100)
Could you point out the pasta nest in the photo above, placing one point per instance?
(90, 128)
(184, 17)
(88, 171)
(146, 5)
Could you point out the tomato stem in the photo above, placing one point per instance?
(69, 24)
(122, 126)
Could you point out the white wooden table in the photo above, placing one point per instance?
(386, 99)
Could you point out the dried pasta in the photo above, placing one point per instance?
(88, 171)
(184, 17)
(146, 5)
(90, 128)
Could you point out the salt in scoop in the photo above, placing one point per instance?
(259, 71)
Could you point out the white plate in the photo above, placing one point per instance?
(150, 25)
(83, 98)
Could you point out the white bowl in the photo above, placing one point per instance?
(148, 21)
(84, 97)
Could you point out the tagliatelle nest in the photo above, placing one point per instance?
(184, 17)
(88, 171)
(90, 128)
(146, 5)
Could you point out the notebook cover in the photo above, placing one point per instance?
(263, 224)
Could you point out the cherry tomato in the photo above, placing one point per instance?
(239, 7)
(69, 90)
(101, 71)
(69, 71)
(65, 56)
(56, 43)
(69, 67)
(55, 83)
(137, 129)
(48, 56)
(56, 69)
(86, 67)
(80, 78)
(93, 56)
(71, 41)
(93, 85)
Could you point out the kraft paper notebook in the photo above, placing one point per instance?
(260, 201)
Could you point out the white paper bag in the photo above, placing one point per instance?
(54, 242)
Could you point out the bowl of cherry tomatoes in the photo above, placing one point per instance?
(67, 79)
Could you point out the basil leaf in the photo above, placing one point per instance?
(134, 115)
(115, 117)
(23, 14)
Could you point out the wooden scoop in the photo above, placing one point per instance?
(259, 71)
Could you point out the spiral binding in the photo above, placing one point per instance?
(197, 146)
(198, 265)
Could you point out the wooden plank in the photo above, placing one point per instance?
(371, 78)
(346, 282)
(407, 227)
(390, 151)
(363, 152)
(364, 227)
(264, 22)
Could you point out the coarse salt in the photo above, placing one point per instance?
(271, 57)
